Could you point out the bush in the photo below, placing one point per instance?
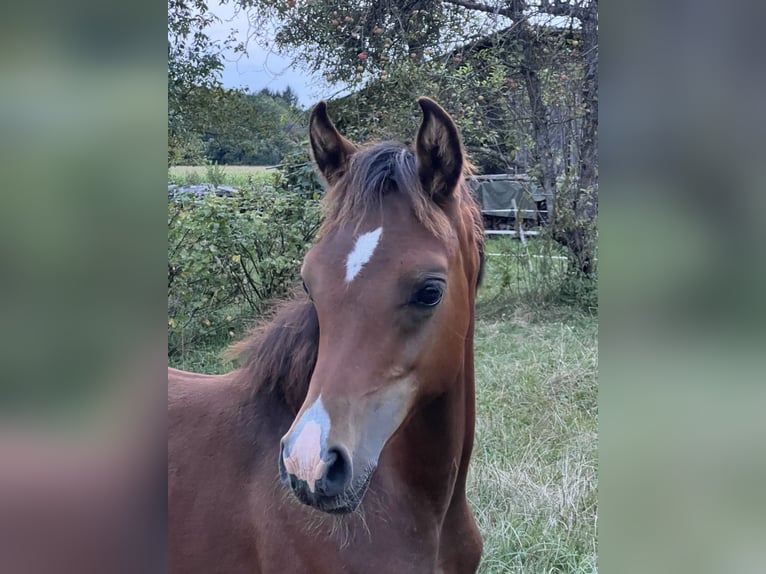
(538, 273)
(215, 175)
(228, 256)
(298, 175)
(580, 290)
(526, 271)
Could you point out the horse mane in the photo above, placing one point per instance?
(280, 354)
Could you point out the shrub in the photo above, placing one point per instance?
(298, 175)
(228, 256)
(575, 226)
(527, 271)
(538, 273)
(215, 174)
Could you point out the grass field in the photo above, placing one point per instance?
(533, 475)
(233, 175)
(534, 470)
(202, 169)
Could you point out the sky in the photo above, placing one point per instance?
(261, 68)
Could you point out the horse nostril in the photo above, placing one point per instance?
(282, 468)
(338, 473)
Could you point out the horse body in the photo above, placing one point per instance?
(346, 452)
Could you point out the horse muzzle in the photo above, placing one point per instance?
(328, 456)
(326, 483)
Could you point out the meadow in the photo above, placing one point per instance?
(231, 175)
(534, 469)
(533, 477)
(232, 169)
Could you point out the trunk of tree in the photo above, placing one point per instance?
(588, 172)
(541, 132)
(585, 207)
(576, 207)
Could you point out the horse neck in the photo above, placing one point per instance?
(434, 447)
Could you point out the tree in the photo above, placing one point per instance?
(520, 76)
(206, 121)
(195, 93)
(266, 126)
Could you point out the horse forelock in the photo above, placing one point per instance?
(384, 168)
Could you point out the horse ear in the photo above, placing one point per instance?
(329, 149)
(439, 151)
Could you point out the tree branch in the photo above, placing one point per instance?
(551, 7)
(481, 7)
(563, 8)
(506, 159)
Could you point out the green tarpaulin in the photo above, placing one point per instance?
(495, 195)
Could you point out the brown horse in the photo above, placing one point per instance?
(343, 442)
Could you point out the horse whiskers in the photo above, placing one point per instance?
(342, 528)
(341, 532)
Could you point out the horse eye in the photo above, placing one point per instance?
(429, 295)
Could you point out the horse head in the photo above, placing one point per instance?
(392, 278)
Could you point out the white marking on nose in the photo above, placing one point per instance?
(305, 460)
(310, 444)
(362, 252)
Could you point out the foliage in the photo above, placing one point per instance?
(207, 121)
(535, 274)
(524, 272)
(519, 76)
(298, 174)
(194, 66)
(227, 257)
(185, 148)
(215, 175)
(395, 51)
(239, 176)
(193, 57)
(235, 128)
(476, 93)
(259, 130)
(574, 225)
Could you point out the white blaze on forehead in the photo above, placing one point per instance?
(306, 449)
(362, 252)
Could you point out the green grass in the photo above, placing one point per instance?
(522, 271)
(204, 359)
(232, 175)
(533, 476)
(533, 275)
